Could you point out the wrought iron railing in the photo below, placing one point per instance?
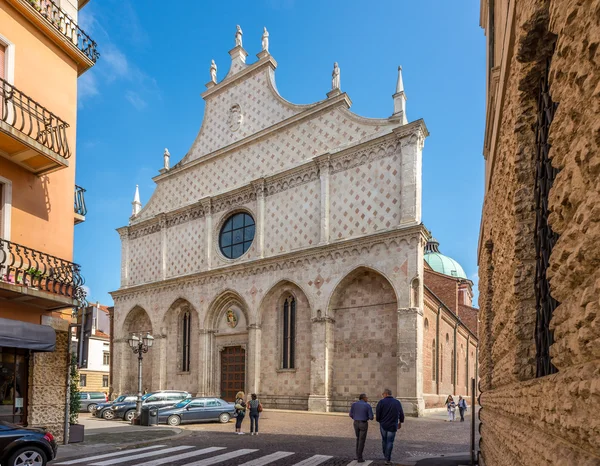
(545, 238)
(32, 119)
(80, 207)
(67, 26)
(23, 266)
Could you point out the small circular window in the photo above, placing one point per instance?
(236, 235)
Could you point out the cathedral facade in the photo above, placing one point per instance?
(283, 255)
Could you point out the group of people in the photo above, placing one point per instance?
(388, 414)
(451, 405)
(252, 406)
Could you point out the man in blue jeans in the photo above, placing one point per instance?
(390, 416)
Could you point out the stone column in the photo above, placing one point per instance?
(124, 235)
(117, 364)
(163, 245)
(253, 356)
(321, 366)
(204, 338)
(410, 178)
(324, 165)
(410, 360)
(208, 230)
(160, 356)
(260, 213)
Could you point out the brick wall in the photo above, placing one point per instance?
(469, 316)
(522, 422)
(444, 287)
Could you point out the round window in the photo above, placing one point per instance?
(237, 235)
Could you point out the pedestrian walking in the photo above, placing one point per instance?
(451, 407)
(390, 416)
(361, 412)
(462, 407)
(240, 412)
(255, 410)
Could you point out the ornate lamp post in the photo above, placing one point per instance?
(140, 345)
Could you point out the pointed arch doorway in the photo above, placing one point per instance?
(233, 372)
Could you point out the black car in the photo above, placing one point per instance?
(197, 410)
(103, 409)
(163, 398)
(25, 445)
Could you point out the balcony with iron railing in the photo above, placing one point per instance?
(80, 207)
(38, 279)
(30, 134)
(61, 28)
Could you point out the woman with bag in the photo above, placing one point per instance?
(240, 411)
(451, 405)
(255, 410)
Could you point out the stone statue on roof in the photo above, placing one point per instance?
(213, 72)
(238, 36)
(265, 40)
(167, 159)
(335, 77)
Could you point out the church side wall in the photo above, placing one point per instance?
(185, 248)
(521, 421)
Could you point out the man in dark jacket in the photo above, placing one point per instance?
(390, 416)
(361, 412)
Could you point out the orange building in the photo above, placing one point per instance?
(42, 52)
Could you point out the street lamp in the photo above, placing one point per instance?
(139, 347)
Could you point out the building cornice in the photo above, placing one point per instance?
(339, 249)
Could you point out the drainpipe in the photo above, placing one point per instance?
(468, 348)
(111, 317)
(437, 351)
(68, 384)
(455, 358)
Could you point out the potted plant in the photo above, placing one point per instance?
(35, 277)
(75, 430)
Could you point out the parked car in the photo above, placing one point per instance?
(126, 410)
(103, 409)
(197, 410)
(25, 445)
(89, 400)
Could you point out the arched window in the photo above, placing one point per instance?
(289, 333)
(426, 325)
(433, 360)
(186, 332)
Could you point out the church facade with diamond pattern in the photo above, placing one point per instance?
(283, 255)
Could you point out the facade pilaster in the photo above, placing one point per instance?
(161, 361)
(260, 212)
(410, 360)
(324, 165)
(205, 358)
(253, 358)
(411, 178)
(208, 227)
(321, 366)
(124, 235)
(163, 245)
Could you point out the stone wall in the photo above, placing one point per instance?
(48, 388)
(554, 414)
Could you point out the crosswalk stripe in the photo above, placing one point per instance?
(108, 455)
(182, 456)
(142, 455)
(268, 459)
(314, 460)
(355, 463)
(221, 458)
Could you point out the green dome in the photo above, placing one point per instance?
(440, 263)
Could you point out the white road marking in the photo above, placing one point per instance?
(221, 458)
(355, 463)
(109, 455)
(182, 456)
(314, 460)
(268, 459)
(142, 455)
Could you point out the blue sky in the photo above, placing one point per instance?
(144, 95)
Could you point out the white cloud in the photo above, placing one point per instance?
(87, 86)
(116, 62)
(135, 100)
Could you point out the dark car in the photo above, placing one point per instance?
(89, 400)
(197, 410)
(126, 410)
(25, 445)
(103, 409)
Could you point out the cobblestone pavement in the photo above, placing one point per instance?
(288, 438)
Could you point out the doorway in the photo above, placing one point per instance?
(233, 372)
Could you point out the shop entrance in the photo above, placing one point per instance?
(14, 370)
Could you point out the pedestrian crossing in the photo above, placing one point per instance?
(188, 455)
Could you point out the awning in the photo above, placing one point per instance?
(17, 334)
